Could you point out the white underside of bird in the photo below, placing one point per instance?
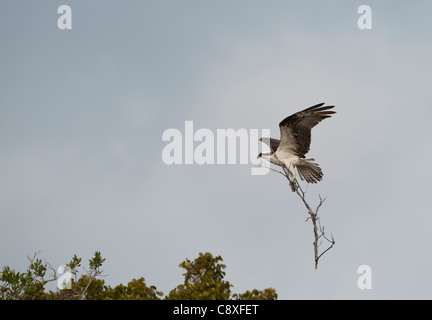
(289, 162)
(289, 152)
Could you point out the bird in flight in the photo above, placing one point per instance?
(295, 138)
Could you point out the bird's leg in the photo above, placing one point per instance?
(293, 181)
(289, 171)
(293, 185)
(291, 175)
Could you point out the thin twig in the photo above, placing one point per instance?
(49, 266)
(313, 216)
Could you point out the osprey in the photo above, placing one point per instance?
(289, 152)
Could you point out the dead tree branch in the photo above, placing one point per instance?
(318, 230)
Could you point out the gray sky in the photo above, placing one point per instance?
(82, 113)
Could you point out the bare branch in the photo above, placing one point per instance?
(32, 260)
(91, 274)
(318, 230)
(54, 272)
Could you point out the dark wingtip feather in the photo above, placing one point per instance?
(315, 106)
(323, 108)
(327, 112)
(318, 108)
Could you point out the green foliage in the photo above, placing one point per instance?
(96, 262)
(267, 294)
(28, 285)
(74, 264)
(135, 290)
(203, 279)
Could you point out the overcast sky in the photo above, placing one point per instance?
(82, 113)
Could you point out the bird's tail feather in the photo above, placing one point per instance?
(309, 171)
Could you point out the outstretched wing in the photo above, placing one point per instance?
(272, 143)
(296, 129)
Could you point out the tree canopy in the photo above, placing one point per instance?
(203, 280)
